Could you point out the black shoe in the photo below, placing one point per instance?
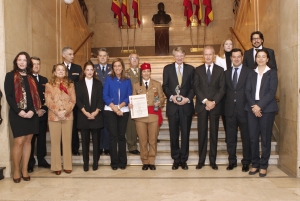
(145, 167)
(76, 153)
(152, 167)
(135, 152)
(114, 168)
(44, 165)
(30, 169)
(199, 166)
(95, 166)
(245, 168)
(231, 166)
(263, 174)
(253, 173)
(158, 141)
(85, 168)
(123, 167)
(175, 166)
(100, 152)
(184, 166)
(214, 166)
(106, 152)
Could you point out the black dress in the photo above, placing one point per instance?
(20, 126)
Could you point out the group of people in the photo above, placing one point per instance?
(95, 99)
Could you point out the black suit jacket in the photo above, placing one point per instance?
(170, 82)
(249, 59)
(237, 94)
(100, 74)
(74, 73)
(268, 87)
(213, 90)
(82, 101)
(41, 88)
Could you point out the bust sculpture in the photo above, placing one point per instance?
(161, 17)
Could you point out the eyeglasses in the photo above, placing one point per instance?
(134, 58)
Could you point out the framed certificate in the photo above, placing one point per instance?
(140, 108)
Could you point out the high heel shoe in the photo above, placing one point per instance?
(26, 178)
(57, 172)
(68, 171)
(18, 180)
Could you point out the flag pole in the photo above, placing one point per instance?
(134, 35)
(127, 40)
(191, 35)
(121, 38)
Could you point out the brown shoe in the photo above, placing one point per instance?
(57, 172)
(26, 178)
(68, 171)
(17, 180)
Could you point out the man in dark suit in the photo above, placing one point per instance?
(102, 70)
(236, 116)
(180, 106)
(74, 72)
(41, 150)
(257, 40)
(209, 87)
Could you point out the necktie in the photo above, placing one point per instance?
(179, 76)
(68, 67)
(103, 70)
(234, 79)
(256, 49)
(208, 73)
(37, 77)
(146, 83)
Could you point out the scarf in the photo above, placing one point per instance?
(20, 92)
(63, 88)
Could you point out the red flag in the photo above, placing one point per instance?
(136, 8)
(209, 16)
(116, 8)
(198, 11)
(125, 11)
(188, 11)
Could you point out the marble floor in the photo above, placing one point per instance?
(163, 184)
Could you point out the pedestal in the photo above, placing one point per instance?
(161, 39)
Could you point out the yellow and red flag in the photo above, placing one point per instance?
(209, 16)
(198, 11)
(136, 8)
(116, 8)
(188, 11)
(125, 11)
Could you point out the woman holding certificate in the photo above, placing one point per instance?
(147, 127)
(116, 92)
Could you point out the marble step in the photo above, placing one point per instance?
(164, 145)
(164, 158)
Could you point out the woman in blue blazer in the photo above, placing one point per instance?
(116, 92)
(89, 117)
(261, 108)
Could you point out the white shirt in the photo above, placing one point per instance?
(69, 65)
(254, 51)
(148, 82)
(181, 68)
(211, 69)
(221, 62)
(89, 86)
(258, 82)
(37, 76)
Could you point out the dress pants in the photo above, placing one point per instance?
(203, 135)
(85, 140)
(131, 134)
(182, 121)
(233, 123)
(147, 132)
(61, 130)
(104, 136)
(41, 150)
(75, 136)
(116, 126)
(260, 126)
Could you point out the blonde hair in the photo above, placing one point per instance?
(178, 49)
(65, 79)
(222, 52)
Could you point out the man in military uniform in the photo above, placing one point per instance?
(102, 70)
(133, 73)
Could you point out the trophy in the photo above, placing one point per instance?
(178, 97)
(156, 100)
